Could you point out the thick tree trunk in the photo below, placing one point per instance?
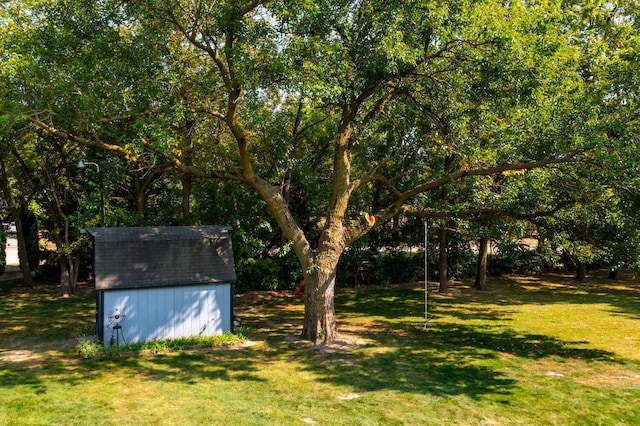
(442, 262)
(320, 320)
(613, 273)
(481, 272)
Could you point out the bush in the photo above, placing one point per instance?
(461, 261)
(267, 273)
(89, 348)
(519, 259)
(398, 267)
(362, 267)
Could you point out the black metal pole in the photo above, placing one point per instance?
(101, 197)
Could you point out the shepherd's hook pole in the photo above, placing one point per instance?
(426, 267)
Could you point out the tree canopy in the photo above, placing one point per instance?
(338, 115)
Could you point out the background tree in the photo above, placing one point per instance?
(18, 195)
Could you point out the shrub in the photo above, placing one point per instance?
(519, 259)
(398, 267)
(92, 348)
(89, 348)
(461, 261)
(362, 267)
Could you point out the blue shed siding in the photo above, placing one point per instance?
(169, 312)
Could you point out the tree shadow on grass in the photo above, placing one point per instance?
(181, 367)
(392, 303)
(188, 368)
(23, 377)
(30, 317)
(443, 360)
(396, 358)
(622, 296)
(412, 369)
(477, 341)
(397, 354)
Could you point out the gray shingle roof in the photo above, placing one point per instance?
(161, 256)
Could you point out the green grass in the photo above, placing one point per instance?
(533, 350)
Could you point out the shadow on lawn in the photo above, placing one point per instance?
(623, 296)
(444, 359)
(397, 353)
(396, 358)
(187, 368)
(405, 364)
(474, 341)
(30, 316)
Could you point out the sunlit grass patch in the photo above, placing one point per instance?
(533, 350)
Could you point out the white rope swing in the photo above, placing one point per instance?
(426, 269)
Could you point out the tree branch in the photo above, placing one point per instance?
(363, 226)
(566, 157)
(78, 139)
(213, 113)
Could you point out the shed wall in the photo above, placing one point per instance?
(169, 312)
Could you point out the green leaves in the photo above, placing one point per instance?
(417, 90)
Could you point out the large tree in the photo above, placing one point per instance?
(362, 108)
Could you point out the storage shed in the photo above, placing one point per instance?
(162, 282)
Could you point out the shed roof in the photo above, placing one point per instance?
(161, 256)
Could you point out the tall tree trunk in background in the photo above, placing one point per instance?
(579, 266)
(141, 198)
(142, 182)
(69, 261)
(581, 271)
(481, 271)
(22, 251)
(187, 182)
(3, 252)
(68, 258)
(68, 274)
(16, 212)
(443, 288)
(442, 259)
(65, 277)
(141, 186)
(613, 273)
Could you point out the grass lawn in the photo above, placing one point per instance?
(533, 350)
